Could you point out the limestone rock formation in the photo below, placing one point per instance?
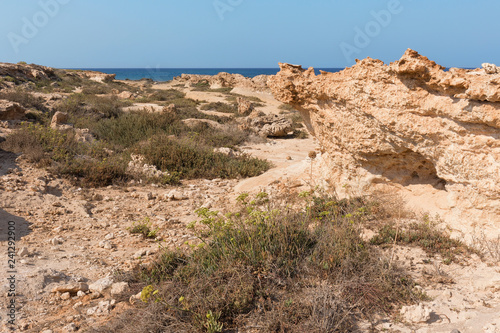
(267, 126)
(405, 124)
(96, 76)
(11, 111)
(245, 107)
(225, 80)
(24, 73)
(59, 118)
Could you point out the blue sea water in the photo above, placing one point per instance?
(167, 74)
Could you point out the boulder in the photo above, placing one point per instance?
(245, 107)
(11, 111)
(59, 118)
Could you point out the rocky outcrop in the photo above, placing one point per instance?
(405, 124)
(11, 111)
(225, 80)
(24, 73)
(96, 76)
(245, 107)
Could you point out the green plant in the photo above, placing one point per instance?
(221, 107)
(143, 227)
(267, 255)
(425, 235)
(212, 323)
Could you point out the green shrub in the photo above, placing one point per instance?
(425, 235)
(85, 164)
(221, 107)
(272, 263)
(194, 160)
(81, 107)
(24, 98)
(202, 85)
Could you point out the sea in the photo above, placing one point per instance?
(167, 74)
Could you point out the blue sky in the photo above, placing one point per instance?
(245, 33)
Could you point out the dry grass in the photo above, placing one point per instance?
(270, 266)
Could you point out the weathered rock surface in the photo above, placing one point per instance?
(11, 110)
(245, 107)
(24, 73)
(96, 76)
(59, 118)
(226, 80)
(403, 124)
(267, 126)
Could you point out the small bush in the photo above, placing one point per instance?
(84, 164)
(143, 227)
(425, 235)
(202, 85)
(221, 107)
(82, 107)
(24, 98)
(193, 160)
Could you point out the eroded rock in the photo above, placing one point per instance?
(407, 123)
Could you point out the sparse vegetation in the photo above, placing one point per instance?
(425, 235)
(143, 227)
(221, 107)
(24, 98)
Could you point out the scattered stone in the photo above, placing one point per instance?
(139, 254)
(23, 252)
(11, 111)
(56, 241)
(106, 244)
(71, 288)
(149, 196)
(70, 328)
(65, 296)
(80, 293)
(176, 195)
(416, 313)
(101, 285)
(119, 288)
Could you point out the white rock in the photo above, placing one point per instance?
(416, 313)
(56, 240)
(176, 195)
(69, 328)
(66, 296)
(100, 285)
(80, 293)
(139, 254)
(23, 252)
(119, 288)
(109, 236)
(490, 68)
